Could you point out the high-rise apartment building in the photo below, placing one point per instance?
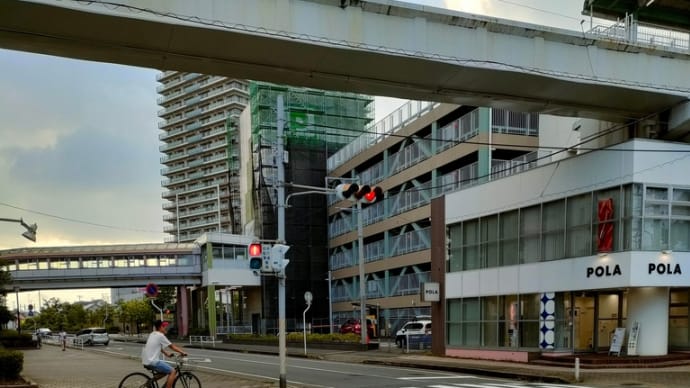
(201, 153)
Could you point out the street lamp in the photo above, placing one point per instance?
(19, 324)
(30, 233)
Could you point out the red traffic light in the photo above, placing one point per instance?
(254, 250)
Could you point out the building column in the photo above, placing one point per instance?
(648, 306)
(182, 311)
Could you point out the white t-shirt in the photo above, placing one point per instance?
(151, 352)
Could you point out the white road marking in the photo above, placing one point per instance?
(438, 377)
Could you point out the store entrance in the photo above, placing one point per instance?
(583, 322)
(595, 317)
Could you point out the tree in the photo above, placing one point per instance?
(166, 297)
(134, 313)
(5, 281)
(5, 316)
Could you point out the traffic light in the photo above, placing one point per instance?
(365, 194)
(278, 260)
(346, 190)
(375, 194)
(256, 258)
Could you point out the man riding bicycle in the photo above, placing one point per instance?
(156, 344)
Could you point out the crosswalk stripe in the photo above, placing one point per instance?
(437, 377)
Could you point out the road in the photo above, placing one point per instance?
(322, 373)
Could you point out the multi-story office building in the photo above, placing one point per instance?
(419, 152)
(201, 153)
(576, 255)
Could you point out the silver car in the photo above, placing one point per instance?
(93, 336)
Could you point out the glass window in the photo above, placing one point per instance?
(682, 195)
(510, 320)
(490, 321)
(578, 225)
(657, 193)
(530, 225)
(680, 235)
(508, 229)
(471, 322)
(489, 239)
(553, 230)
(632, 212)
(455, 251)
(654, 234)
(454, 322)
(470, 239)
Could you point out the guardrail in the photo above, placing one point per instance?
(417, 341)
(202, 339)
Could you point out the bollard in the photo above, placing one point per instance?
(577, 369)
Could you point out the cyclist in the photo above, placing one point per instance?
(156, 344)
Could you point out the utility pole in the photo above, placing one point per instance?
(280, 194)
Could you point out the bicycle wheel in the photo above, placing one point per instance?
(135, 380)
(187, 380)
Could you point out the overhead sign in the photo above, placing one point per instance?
(431, 292)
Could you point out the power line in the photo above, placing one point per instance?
(78, 221)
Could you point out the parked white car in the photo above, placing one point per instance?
(93, 336)
(416, 328)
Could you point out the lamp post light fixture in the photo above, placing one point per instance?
(30, 233)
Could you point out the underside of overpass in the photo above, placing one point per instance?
(435, 56)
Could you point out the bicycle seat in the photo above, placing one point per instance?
(149, 367)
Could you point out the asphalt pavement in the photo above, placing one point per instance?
(52, 368)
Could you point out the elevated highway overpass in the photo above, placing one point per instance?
(378, 47)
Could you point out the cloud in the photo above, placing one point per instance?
(78, 141)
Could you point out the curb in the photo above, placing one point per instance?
(475, 371)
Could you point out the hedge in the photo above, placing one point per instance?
(11, 364)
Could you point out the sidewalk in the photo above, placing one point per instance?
(52, 368)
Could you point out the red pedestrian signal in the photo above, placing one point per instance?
(255, 250)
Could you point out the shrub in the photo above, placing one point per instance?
(11, 339)
(296, 337)
(11, 364)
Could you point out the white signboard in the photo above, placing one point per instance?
(431, 292)
(632, 340)
(617, 341)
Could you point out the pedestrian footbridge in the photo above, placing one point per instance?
(130, 265)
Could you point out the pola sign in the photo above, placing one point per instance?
(431, 292)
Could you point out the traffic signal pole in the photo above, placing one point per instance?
(280, 194)
(363, 327)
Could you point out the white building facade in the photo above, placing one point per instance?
(556, 258)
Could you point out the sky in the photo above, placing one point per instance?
(79, 148)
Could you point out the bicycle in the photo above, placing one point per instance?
(184, 378)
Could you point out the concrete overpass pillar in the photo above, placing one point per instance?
(182, 311)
